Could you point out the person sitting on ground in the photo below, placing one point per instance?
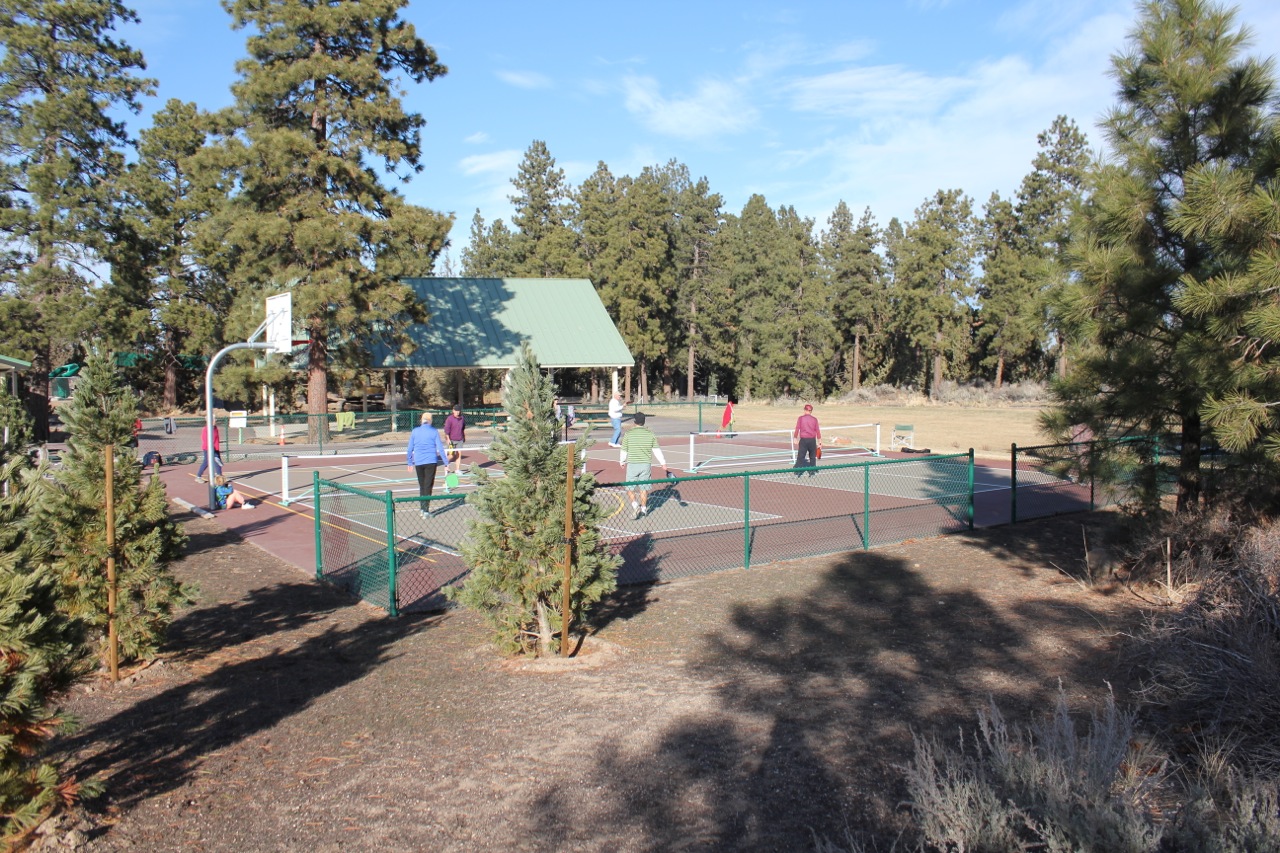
(228, 496)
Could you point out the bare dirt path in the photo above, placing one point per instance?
(747, 710)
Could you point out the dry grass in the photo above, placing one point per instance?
(943, 429)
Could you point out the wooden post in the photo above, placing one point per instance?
(571, 455)
(113, 641)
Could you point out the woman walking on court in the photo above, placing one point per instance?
(425, 452)
(204, 457)
(809, 434)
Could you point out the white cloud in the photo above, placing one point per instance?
(714, 109)
(875, 92)
(477, 138)
(504, 163)
(525, 79)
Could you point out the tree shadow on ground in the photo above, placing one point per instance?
(819, 693)
(156, 744)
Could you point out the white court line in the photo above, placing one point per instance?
(626, 533)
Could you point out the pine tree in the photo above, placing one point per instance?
(1189, 100)
(168, 294)
(14, 421)
(1010, 290)
(696, 223)
(1047, 198)
(43, 654)
(64, 79)
(70, 518)
(934, 271)
(855, 274)
(318, 121)
(1235, 208)
(515, 550)
(489, 253)
(543, 244)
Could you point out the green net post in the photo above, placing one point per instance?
(699, 416)
(1013, 483)
(315, 502)
(970, 488)
(392, 593)
(866, 506)
(746, 521)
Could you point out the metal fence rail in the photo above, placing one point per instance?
(394, 554)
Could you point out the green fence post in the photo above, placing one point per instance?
(699, 416)
(320, 430)
(315, 502)
(392, 592)
(1013, 483)
(970, 488)
(866, 506)
(746, 521)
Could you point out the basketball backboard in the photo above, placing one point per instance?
(280, 322)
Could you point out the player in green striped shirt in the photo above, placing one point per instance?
(639, 449)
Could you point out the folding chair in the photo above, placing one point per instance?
(903, 435)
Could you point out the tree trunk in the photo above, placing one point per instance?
(999, 370)
(935, 383)
(317, 384)
(626, 390)
(667, 380)
(546, 637)
(1189, 463)
(857, 361)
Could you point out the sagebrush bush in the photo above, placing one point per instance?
(1043, 786)
(1210, 668)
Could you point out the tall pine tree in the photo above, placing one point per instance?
(854, 272)
(515, 549)
(1189, 100)
(317, 112)
(64, 79)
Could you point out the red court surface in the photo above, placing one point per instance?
(289, 531)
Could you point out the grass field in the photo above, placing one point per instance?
(943, 429)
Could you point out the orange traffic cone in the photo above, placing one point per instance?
(282, 436)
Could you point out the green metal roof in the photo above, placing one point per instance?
(10, 363)
(482, 322)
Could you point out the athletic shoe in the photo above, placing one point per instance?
(247, 506)
(425, 513)
(644, 510)
(611, 444)
(201, 480)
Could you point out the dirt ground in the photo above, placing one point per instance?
(749, 710)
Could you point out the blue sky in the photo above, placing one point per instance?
(807, 103)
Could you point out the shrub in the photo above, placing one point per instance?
(1046, 786)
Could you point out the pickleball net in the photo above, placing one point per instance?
(716, 449)
(372, 472)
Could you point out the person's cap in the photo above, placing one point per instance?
(638, 417)
(457, 407)
(425, 419)
(808, 408)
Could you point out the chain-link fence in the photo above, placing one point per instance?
(255, 436)
(401, 553)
